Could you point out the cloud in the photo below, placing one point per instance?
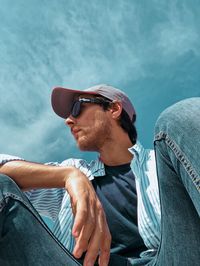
(145, 47)
(179, 34)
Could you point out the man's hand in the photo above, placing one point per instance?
(90, 227)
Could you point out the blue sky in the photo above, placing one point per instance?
(148, 48)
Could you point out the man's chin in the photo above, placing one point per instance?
(86, 147)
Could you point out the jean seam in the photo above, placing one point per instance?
(2, 204)
(14, 196)
(180, 155)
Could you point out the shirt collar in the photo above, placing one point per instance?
(97, 167)
(138, 151)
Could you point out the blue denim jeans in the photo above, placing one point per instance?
(177, 147)
(25, 240)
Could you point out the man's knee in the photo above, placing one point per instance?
(7, 185)
(4, 179)
(179, 119)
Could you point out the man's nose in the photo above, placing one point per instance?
(70, 121)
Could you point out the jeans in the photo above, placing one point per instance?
(177, 147)
(25, 240)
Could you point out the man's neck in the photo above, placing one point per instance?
(116, 152)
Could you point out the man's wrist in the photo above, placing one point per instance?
(72, 173)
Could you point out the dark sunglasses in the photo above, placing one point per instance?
(76, 107)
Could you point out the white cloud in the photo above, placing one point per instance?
(60, 43)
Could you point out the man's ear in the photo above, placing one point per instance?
(116, 109)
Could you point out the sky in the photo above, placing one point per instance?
(148, 48)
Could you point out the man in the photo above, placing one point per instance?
(174, 168)
(123, 215)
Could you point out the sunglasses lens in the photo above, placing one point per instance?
(76, 108)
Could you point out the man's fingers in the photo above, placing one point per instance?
(81, 213)
(105, 243)
(86, 231)
(93, 248)
(104, 255)
(100, 241)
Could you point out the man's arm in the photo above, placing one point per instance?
(90, 227)
(29, 175)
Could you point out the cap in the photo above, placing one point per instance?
(62, 99)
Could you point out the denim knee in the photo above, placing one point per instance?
(8, 188)
(5, 182)
(179, 119)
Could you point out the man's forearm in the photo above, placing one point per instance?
(30, 175)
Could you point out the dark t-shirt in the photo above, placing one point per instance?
(117, 193)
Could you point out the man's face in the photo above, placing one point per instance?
(92, 128)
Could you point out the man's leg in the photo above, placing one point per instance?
(177, 146)
(24, 238)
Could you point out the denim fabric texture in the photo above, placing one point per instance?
(24, 238)
(177, 147)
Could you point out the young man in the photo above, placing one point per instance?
(95, 119)
(117, 181)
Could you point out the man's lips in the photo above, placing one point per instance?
(75, 132)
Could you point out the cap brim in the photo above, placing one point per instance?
(62, 100)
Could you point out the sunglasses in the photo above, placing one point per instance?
(77, 105)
